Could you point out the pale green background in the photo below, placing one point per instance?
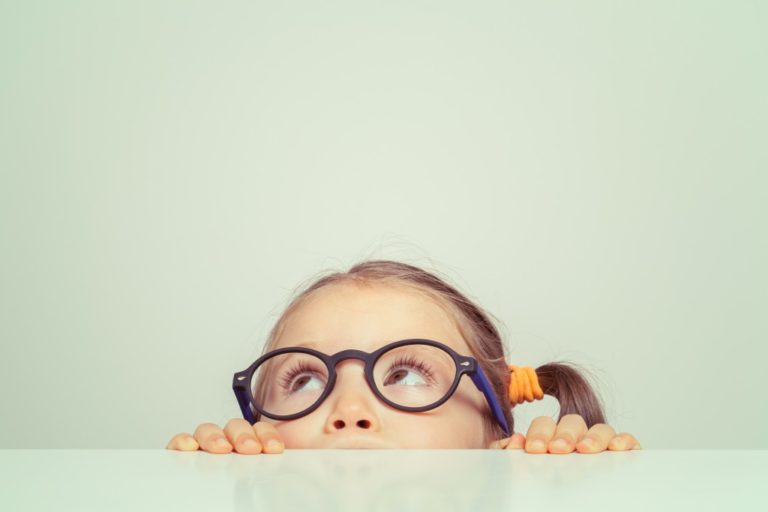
(593, 173)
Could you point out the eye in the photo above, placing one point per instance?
(303, 380)
(404, 374)
(400, 377)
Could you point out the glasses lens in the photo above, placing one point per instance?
(414, 375)
(289, 383)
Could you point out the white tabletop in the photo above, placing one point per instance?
(380, 480)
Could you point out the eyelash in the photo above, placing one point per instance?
(287, 379)
(407, 361)
(411, 362)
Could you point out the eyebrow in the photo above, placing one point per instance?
(308, 344)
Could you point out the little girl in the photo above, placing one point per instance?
(376, 357)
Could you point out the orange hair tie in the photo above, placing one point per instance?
(524, 385)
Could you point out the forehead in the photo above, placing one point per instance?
(344, 316)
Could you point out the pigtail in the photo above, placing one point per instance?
(574, 393)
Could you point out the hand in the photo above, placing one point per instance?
(571, 433)
(237, 434)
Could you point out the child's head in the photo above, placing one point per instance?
(375, 303)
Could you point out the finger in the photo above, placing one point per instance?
(183, 442)
(596, 439)
(241, 435)
(269, 437)
(570, 430)
(499, 443)
(513, 442)
(623, 441)
(212, 439)
(539, 433)
(516, 442)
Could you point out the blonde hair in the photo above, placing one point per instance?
(474, 324)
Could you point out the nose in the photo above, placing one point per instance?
(352, 401)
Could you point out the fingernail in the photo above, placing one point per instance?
(273, 444)
(617, 444)
(588, 444)
(249, 443)
(560, 444)
(221, 443)
(537, 445)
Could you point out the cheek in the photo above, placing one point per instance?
(443, 430)
(296, 433)
(456, 424)
(467, 410)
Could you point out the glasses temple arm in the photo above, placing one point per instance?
(241, 393)
(478, 377)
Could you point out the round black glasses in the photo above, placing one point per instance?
(412, 375)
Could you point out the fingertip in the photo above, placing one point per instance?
(516, 442)
(536, 446)
(273, 446)
(218, 445)
(560, 445)
(617, 444)
(179, 442)
(586, 446)
(248, 445)
(188, 444)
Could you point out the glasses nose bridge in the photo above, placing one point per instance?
(349, 354)
(344, 355)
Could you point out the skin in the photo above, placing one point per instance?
(344, 316)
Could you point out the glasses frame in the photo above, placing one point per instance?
(465, 365)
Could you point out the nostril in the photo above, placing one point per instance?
(338, 424)
(364, 424)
